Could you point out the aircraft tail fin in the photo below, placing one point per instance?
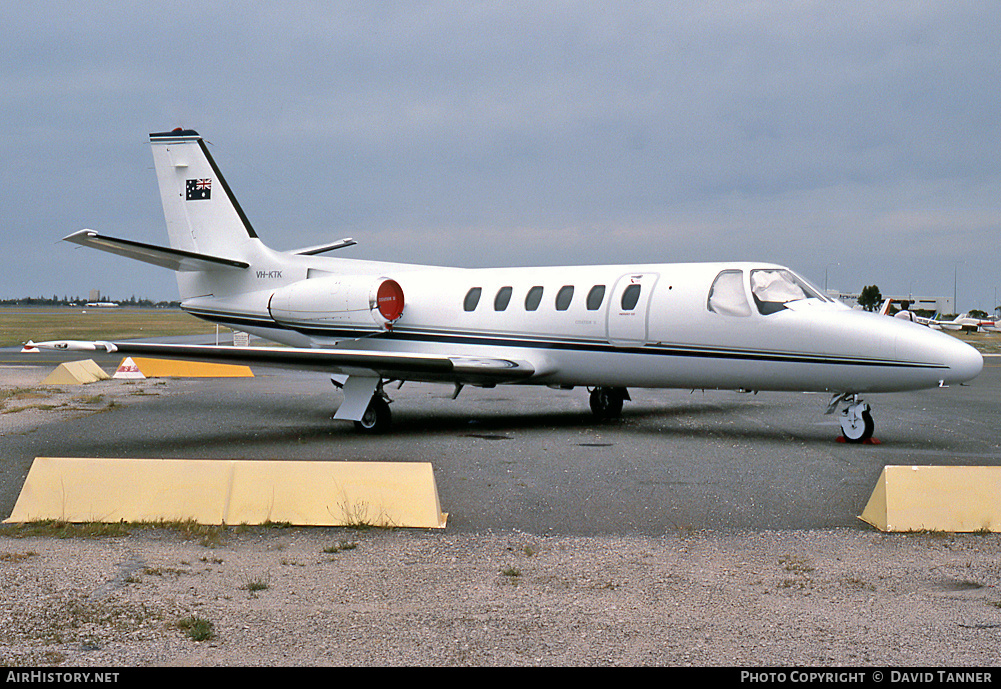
(202, 214)
(213, 248)
(208, 231)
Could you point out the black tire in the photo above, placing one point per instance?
(377, 418)
(606, 403)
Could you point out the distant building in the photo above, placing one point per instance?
(95, 295)
(932, 304)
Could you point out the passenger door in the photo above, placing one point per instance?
(628, 308)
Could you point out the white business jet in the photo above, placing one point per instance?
(740, 326)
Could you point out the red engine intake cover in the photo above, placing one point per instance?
(389, 298)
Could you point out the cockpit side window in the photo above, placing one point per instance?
(772, 289)
(727, 296)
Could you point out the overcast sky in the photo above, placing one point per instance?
(856, 142)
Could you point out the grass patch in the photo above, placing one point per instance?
(800, 568)
(19, 394)
(54, 528)
(796, 565)
(257, 584)
(340, 546)
(196, 628)
(858, 584)
(163, 571)
(356, 516)
(38, 405)
(14, 395)
(17, 326)
(89, 399)
(207, 534)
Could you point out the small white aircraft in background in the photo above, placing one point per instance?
(965, 322)
(741, 326)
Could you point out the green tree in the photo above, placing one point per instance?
(870, 298)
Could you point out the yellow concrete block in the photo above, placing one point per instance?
(936, 498)
(76, 373)
(207, 491)
(170, 368)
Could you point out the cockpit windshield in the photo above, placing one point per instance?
(773, 288)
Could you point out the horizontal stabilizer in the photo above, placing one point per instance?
(165, 257)
(392, 365)
(323, 248)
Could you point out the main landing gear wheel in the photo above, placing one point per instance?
(856, 422)
(377, 418)
(606, 403)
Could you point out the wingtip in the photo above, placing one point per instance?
(73, 236)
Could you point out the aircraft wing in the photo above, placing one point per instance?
(391, 365)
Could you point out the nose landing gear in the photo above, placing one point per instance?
(606, 403)
(857, 425)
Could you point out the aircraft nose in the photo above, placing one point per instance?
(965, 363)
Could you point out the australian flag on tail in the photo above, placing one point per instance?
(197, 189)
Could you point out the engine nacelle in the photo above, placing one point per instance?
(341, 300)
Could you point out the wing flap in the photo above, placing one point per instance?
(395, 365)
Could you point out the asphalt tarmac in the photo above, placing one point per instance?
(534, 460)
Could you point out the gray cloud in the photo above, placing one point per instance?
(856, 140)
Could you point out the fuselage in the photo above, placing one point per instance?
(691, 325)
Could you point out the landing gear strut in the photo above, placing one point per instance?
(365, 402)
(606, 403)
(856, 420)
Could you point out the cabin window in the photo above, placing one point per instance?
(772, 289)
(595, 297)
(472, 299)
(630, 297)
(564, 297)
(727, 296)
(533, 298)
(502, 299)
